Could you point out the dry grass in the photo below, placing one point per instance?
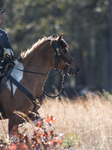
(86, 121)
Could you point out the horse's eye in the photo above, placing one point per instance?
(65, 51)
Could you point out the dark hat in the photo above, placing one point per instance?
(1, 10)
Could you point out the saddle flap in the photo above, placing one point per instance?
(3, 77)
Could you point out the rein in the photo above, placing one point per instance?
(38, 72)
(62, 87)
(59, 71)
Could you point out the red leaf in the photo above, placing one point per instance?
(39, 124)
(12, 147)
(25, 147)
(33, 145)
(50, 119)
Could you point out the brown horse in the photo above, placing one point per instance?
(47, 53)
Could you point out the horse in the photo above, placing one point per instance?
(46, 53)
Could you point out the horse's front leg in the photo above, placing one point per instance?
(13, 121)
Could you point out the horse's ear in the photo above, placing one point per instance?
(60, 38)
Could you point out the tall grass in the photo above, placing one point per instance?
(86, 121)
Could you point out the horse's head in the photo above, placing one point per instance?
(63, 59)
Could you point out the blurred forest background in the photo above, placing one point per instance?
(87, 28)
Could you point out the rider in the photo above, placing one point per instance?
(5, 48)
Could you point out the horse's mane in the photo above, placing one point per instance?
(36, 45)
(39, 43)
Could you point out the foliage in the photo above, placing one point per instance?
(43, 137)
(107, 96)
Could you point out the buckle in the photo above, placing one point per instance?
(57, 49)
(37, 101)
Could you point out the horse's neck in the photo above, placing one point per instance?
(37, 61)
(40, 59)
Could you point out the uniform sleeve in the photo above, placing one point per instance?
(7, 42)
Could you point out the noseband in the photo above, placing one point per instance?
(60, 56)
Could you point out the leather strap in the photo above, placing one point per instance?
(25, 91)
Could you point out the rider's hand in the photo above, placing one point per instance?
(8, 51)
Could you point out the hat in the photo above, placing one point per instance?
(1, 10)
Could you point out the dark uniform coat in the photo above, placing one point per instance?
(4, 42)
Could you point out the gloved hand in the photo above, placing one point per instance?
(8, 51)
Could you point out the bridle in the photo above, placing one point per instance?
(60, 56)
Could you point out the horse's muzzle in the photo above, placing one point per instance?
(73, 72)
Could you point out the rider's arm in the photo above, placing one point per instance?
(7, 49)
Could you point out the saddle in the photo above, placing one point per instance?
(8, 67)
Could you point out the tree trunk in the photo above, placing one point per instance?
(104, 74)
(92, 59)
(110, 41)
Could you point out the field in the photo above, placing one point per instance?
(86, 122)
